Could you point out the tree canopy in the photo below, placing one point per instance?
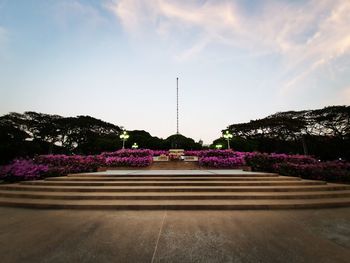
(29, 133)
(322, 132)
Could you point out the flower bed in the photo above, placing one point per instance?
(223, 163)
(159, 153)
(129, 161)
(217, 153)
(291, 165)
(266, 162)
(21, 169)
(65, 164)
(128, 153)
(328, 171)
(222, 159)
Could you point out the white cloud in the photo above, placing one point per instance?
(306, 35)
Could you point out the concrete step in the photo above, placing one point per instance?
(175, 204)
(171, 174)
(174, 183)
(174, 195)
(164, 178)
(103, 189)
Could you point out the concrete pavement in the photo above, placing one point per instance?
(29, 235)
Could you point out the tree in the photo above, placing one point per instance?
(323, 132)
(178, 141)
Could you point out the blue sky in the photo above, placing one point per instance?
(118, 60)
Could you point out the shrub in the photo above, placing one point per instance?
(21, 169)
(160, 152)
(224, 159)
(192, 153)
(217, 153)
(328, 171)
(128, 153)
(266, 162)
(129, 161)
(219, 162)
(65, 164)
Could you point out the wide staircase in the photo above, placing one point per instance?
(155, 190)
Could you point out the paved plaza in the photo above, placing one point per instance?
(29, 235)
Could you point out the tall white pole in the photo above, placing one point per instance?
(177, 105)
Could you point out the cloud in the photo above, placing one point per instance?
(306, 35)
(212, 19)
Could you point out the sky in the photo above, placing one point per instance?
(118, 60)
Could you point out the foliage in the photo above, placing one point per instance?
(178, 141)
(324, 133)
(130, 161)
(160, 152)
(328, 171)
(21, 169)
(266, 162)
(217, 153)
(292, 165)
(31, 133)
(128, 153)
(222, 162)
(223, 159)
(65, 164)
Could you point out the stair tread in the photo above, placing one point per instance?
(28, 186)
(83, 183)
(156, 178)
(173, 175)
(176, 193)
(173, 202)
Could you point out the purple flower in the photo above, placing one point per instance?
(21, 169)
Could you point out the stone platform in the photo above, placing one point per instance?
(175, 190)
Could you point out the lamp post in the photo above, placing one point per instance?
(218, 146)
(228, 136)
(124, 136)
(134, 146)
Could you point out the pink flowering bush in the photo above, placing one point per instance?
(160, 152)
(223, 163)
(217, 153)
(129, 161)
(223, 159)
(328, 171)
(192, 153)
(127, 157)
(128, 153)
(292, 165)
(266, 162)
(65, 164)
(21, 169)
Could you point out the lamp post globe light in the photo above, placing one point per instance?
(124, 136)
(135, 146)
(218, 146)
(228, 136)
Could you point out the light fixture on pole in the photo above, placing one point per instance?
(135, 146)
(124, 136)
(228, 136)
(218, 146)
